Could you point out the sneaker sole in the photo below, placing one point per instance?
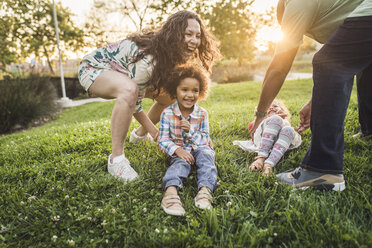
(335, 187)
(172, 212)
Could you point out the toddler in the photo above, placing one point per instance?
(273, 137)
(184, 135)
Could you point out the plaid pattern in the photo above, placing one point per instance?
(172, 136)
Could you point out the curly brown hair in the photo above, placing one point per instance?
(167, 46)
(189, 71)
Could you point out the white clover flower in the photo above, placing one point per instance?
(31, 198)
(276, 183)
(106, 241)
(165, 230)
(113, 210)
(157, 230)
(54, 238)
(144, 210)
(226, 191)
(100, 210)
(89, 218)
(104, 223)
(71, 242)
(229, 204)
(55, 218)
(117, 195)
(134, 200)
(218, 183)
(67, 196)
(275, 234)
(22, 203)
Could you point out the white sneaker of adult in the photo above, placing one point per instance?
(120, 168)
(134, 138)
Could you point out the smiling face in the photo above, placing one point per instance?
(187, 94)
(192, 37)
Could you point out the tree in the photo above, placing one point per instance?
(231, 21)
(31, 29)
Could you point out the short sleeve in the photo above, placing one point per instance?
(297, 19)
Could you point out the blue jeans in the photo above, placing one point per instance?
(206, 169)
(347, 53)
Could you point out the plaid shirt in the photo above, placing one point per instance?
(172, 136)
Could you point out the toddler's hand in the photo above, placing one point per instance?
(185, 126)
(185, 155)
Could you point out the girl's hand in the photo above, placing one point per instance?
(185, 155)
(185, 126)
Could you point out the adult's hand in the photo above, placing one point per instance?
(255, 125)
(305, 115)
(185, 155)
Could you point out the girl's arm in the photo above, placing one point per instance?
(165, 143)
(145, 121)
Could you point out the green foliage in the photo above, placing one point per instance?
(231, 21)
(23, 101)
(56, 191)
(28, 26)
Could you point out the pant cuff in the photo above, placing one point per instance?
(206, 184)
(174, 182)
(309, 167)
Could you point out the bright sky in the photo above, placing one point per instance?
(82, 7)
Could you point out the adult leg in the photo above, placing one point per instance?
(346, 53)
(112, 84)
(364, 79)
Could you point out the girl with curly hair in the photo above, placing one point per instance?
(138, 67)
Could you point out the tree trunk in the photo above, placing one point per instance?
(49, 63)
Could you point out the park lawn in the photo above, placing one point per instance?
(55, 189)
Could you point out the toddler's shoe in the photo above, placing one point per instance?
(304, 179)
(172, 205)
(204, 199)
(120, 168)
(134, 138)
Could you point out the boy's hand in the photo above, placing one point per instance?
(185, 126)
(185, 155)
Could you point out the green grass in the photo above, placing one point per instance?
(54, 183)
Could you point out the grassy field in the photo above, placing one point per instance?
(55, 190)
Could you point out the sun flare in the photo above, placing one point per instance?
(267, 34)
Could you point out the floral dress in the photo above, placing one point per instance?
(117, 57)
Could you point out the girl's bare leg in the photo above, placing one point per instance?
(112, 84)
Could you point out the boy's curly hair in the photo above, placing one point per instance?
(167, 45)
(188, 71)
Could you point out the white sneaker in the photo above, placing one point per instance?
(134, 138)
(122, 169)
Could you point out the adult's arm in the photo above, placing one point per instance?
(145, 121)
(273, 81)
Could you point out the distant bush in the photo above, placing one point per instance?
(231, 73)
(23, 101)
